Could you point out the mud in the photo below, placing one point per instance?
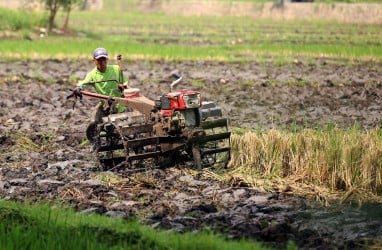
(44, 156)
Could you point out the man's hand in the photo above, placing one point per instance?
(122, 87)
(76, 93)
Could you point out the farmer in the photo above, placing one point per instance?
(103, 72)
(113, 83)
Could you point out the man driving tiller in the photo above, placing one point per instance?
(175, 128)
(107, 80)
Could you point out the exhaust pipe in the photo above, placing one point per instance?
(174, 83)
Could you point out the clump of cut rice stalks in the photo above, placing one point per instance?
(144, 180)
(108, 178)
(333, 159)
(70, 193)
(38, 142)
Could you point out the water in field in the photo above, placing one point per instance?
(349, 226)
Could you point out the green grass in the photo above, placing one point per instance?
(47, 226)
(80, 48)
(13, 20)
(157, 36)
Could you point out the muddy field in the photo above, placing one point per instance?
(44, 155)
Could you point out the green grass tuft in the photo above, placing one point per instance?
(20, 20)
(48, 226)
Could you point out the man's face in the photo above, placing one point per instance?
(101, 63)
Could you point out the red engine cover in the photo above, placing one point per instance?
(177, 101)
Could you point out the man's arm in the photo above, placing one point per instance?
(88, 80)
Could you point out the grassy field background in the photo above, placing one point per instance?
(141, 32)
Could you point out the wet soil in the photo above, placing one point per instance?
(44, 155)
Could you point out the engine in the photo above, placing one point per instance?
(178, 110)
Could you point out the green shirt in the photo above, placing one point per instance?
(109, 88)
